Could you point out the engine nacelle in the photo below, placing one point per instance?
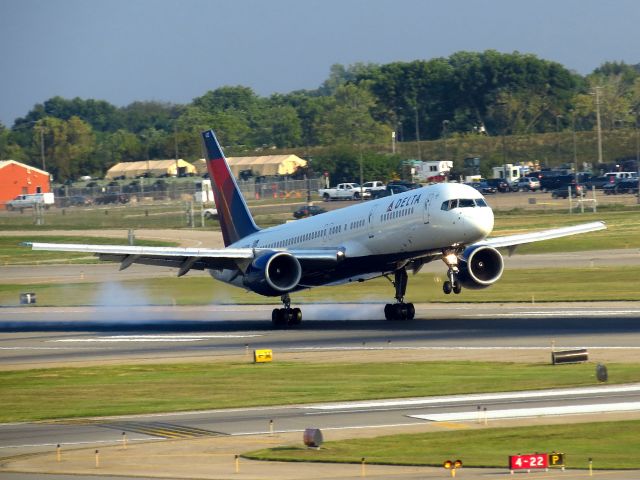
(480, 267)
(273, 274)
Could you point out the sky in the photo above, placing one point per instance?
(123, 51)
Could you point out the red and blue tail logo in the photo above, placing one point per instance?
(235, 219)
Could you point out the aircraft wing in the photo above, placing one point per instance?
(512, 241)
(187, 258)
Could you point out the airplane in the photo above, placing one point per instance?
(386, 237)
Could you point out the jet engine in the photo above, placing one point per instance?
(480, 267)
(273, 274)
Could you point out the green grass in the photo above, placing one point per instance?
(482, 448)
(129, 389)
(12, 252)
(539, 285)
(623, 230)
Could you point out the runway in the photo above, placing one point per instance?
(78, 335)
(36, 337)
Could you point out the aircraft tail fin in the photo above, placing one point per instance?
(236, 221)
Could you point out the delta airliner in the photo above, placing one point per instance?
(384, 237)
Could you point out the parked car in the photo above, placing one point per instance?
(563, 192)
(596, 182)
(627, 185)
(499, 184)
(75, 201)
(308, 211)
(549, 182)
(483, 187)
(210, 213)
(530, 184)
(389, 190)
(404, 183)
(112, 198)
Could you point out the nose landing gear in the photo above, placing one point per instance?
(400, 310)
(287, 316)
(452, 284)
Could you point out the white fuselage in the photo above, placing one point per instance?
(405, 225)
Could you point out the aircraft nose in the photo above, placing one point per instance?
(481, 222)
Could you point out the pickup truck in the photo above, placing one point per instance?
(30, 200)
(373, 187)
(344, 191)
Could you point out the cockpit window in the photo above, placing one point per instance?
(462, 203)
(449, 204)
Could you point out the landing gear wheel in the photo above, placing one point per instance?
(295, 316)
(399, 311)
(287, 316)
(457, 288)
(447, 288)
(278, 318)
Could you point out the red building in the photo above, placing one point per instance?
(17, 179)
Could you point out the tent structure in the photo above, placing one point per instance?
(266, 165)
(154, 168)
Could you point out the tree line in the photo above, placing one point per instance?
(352, 113)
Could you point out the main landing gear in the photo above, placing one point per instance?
(400, 310)
(452, 284)
(287, 316)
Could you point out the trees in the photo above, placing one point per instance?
(68, 146)
(510, 93)
(348, 118)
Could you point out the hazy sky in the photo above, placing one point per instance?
(127, 50)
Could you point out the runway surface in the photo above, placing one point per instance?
(63, 336)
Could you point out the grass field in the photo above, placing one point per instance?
(527, 285)
(611, 445)
(12, 252)
(128, 389)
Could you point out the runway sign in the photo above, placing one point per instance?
(556, 459)
(262, 356)
(528, 461)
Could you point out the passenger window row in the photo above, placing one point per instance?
(396, 214)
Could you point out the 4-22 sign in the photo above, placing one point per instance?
(529, 461)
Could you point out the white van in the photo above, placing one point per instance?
(29, 200)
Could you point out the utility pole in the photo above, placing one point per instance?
(637, 155)
(418, 131)
(42, 147)
(175, 144)
(445, 125)
(598, 125)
